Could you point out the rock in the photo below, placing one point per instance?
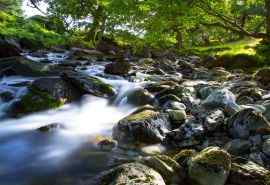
(257, 157)
(219, 74)
(201, 73)
(140, 97)
(238, 147)
(210, 167)
(108, 46)
(213, 120)
(168, 168)
(248, 173)
(33, 101)
(30, 44)
(266, 113)
(107, 144)
(6, 96)
(43, 94)
(118, 68)
(51, 127)
(174, 105)
(143, 127)
(184, 156)
(187, 135)
(22, 67)
(84, 54)
(57, 88)
(204, 92)
(222, 99)
(177, 117)
(157, 87)
(246, 94)
(266, 147)
(263, 76)
(89, 84)
(244, 100)
(247, 122)
(130, 173)
(166, 98)
(9, 48)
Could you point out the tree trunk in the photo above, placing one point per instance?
(179, 39)
(243, 19)
(267, 7)
(96, 25)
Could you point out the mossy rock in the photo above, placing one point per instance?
(248, 173)
(140, 97)
(33, 101)
(169, 169)
(263, 76)
(183, 156)
(89, 84)
(22, 66)
(143, 127)
(129, 174)
(248, 122)
(211, 166)
(146, 114)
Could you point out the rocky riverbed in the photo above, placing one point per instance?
(138, 121)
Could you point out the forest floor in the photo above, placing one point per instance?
(245, 46)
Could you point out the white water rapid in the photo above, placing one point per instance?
(26, 153)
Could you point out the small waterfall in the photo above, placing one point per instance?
(25, 151)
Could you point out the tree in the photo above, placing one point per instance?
(11, 6)
(226, 19)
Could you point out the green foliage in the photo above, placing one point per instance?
(263, 49)
(11, 6)
(12, 26)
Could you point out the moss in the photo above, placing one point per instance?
(101, 86)
(213, 156)
(184, 155)
(143, 115)
(36, 100)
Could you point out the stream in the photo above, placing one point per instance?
(31, 157)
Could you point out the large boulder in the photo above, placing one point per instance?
(21, 66)
(9, 48)
(140, 97)
(247, 122)
(248, 173)
(130, 173)
(210, 167)
(143, 127)
(33, 101)
(44, 93)
(213, 120)
(189, 134)
(89, 84)
(224, 99)
(118, 68)
(263, 76)
(171, 171)
(238, 146)
(177, 117)
(57, 88)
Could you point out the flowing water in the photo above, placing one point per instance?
(28, 155)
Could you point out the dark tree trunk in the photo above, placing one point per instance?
(98, 20)
(267, 7)
(179, 39)
(243, 19)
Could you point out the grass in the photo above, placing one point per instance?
(246, 46)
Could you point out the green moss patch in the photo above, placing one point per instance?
(213, 156)
(36, 100)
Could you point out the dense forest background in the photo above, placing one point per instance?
(201, 27)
